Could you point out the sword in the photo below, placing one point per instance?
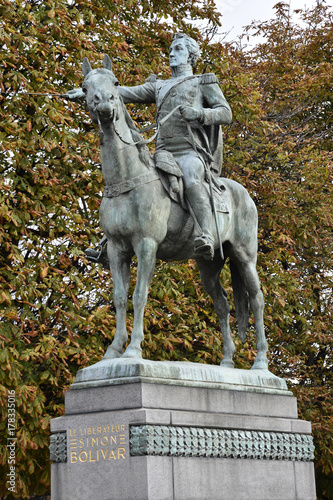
(64, 96)
(208, 176)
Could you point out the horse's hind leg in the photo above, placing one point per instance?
(120, 272)
(210, 277)
(145, 251)
(250, 277)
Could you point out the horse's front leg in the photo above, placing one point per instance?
(145, 251)
(120, 271)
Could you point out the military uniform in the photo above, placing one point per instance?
(194, 145)
(201, 92)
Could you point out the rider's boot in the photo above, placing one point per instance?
(198, 198)
(99, 253)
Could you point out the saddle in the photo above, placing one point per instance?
(172, 179)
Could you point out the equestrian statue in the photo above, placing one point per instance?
(173, 205)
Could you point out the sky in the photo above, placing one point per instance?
(239, 13)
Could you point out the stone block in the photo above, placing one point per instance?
(241, 479)
(184, 398)
(148, 440)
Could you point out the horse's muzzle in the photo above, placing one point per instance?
(105, 111)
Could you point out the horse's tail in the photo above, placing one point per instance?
(241, 299)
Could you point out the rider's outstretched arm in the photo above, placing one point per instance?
(145, 93)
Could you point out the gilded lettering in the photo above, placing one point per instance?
(73, 443)
(90, 446)
(104, 440)
(83, 454)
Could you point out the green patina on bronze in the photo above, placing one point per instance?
(148, 220)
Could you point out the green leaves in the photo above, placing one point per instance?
(56, 312)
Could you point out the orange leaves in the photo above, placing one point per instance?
(43, 272)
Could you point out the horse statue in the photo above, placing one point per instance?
(139, 218)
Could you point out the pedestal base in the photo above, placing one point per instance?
(140, 436)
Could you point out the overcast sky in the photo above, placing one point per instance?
(239, 13)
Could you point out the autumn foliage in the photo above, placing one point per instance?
(56, 311)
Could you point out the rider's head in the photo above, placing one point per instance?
(191, 45)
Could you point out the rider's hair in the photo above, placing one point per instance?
(192, 47)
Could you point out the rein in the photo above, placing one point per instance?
(157, 126)
(150, 127)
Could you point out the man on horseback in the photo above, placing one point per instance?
(190, 110)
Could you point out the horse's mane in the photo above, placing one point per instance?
(143, 149)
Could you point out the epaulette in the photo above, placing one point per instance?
(208, 78)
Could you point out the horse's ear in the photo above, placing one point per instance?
(107, 64)
(86, 68)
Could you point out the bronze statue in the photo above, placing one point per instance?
(189, 143)
(192, 136)
(143, 211)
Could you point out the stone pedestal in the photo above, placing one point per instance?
(141, 430)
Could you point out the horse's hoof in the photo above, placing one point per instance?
(260, 364)
(112, 353)
(227, 363)
(133, 352)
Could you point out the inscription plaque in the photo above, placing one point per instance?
(96, 444)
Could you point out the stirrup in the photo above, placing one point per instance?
(97, 254)
(93, 255)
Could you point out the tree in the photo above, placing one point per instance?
(56, 311)
(56, 314)
(287, 161)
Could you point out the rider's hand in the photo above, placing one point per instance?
(75, 95)
(191, 114)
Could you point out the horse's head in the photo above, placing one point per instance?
(100, 88)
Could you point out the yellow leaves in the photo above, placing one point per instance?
(43, 272)
(5, 297)
(286, 240)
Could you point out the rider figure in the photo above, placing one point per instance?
(191, 136)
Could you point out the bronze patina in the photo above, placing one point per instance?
(175, 206)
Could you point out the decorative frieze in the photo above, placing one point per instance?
(225, 443)
(205, 442)
(58, 447)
